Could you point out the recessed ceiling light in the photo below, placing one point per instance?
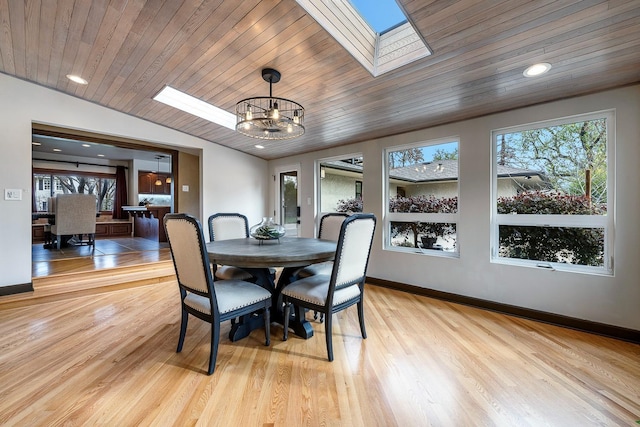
(100, 155)
(537, 69)
(197, 107)
(77, 79)
(57, 149)
(259, 146)
(35, 143)
(86, 145)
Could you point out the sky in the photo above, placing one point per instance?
(429, 151)
(380, 14)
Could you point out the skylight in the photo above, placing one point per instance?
(381, 15)
(379, 38)
(195, 106)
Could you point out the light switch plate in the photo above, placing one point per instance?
(12, 194)
(185, 188)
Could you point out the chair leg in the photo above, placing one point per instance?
(183, 329)
(267, 326)
(287, 312)
(327, 329)
(58, 238)
(361, 318)
(215, 337)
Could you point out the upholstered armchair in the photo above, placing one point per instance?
(75, 214)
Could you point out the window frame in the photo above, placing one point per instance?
(318, 179)
(55, 189)
(606, 222)
(389, 217)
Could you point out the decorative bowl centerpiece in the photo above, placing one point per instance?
(267, 230)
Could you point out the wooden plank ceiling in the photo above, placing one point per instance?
(215, 50)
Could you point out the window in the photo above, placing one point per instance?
(340, 184)
(552, 194)
(422, 198)
(102, 185)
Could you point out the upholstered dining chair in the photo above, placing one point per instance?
(223, 226)
(213, 302)
(75, 214)
(329, 230)
(341, 289)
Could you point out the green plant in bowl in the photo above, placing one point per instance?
(266, 232)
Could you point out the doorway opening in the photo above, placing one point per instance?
(66, 161)
(288, 200)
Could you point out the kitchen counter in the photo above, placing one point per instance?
(134, 208)
(148, 221)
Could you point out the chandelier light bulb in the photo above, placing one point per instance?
(296, 117)
(289, 128)
(249, 114)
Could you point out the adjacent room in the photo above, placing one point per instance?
(133, 187)
(302, 212)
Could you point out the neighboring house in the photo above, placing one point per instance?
(440, 179)
(342, 180)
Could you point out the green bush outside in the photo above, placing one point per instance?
(583, 246)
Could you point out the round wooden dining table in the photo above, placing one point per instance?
(258, 257)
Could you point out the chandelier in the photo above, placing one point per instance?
(267, 117)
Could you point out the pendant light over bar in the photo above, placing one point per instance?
(269, 117)
(158, 181)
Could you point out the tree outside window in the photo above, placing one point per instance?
(102, 186)
(565, 218)
(422, 197)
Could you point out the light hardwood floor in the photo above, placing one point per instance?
(109, 359)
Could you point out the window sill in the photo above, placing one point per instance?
(554, 267)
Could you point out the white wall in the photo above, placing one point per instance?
(613, 300)
(231, 181)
